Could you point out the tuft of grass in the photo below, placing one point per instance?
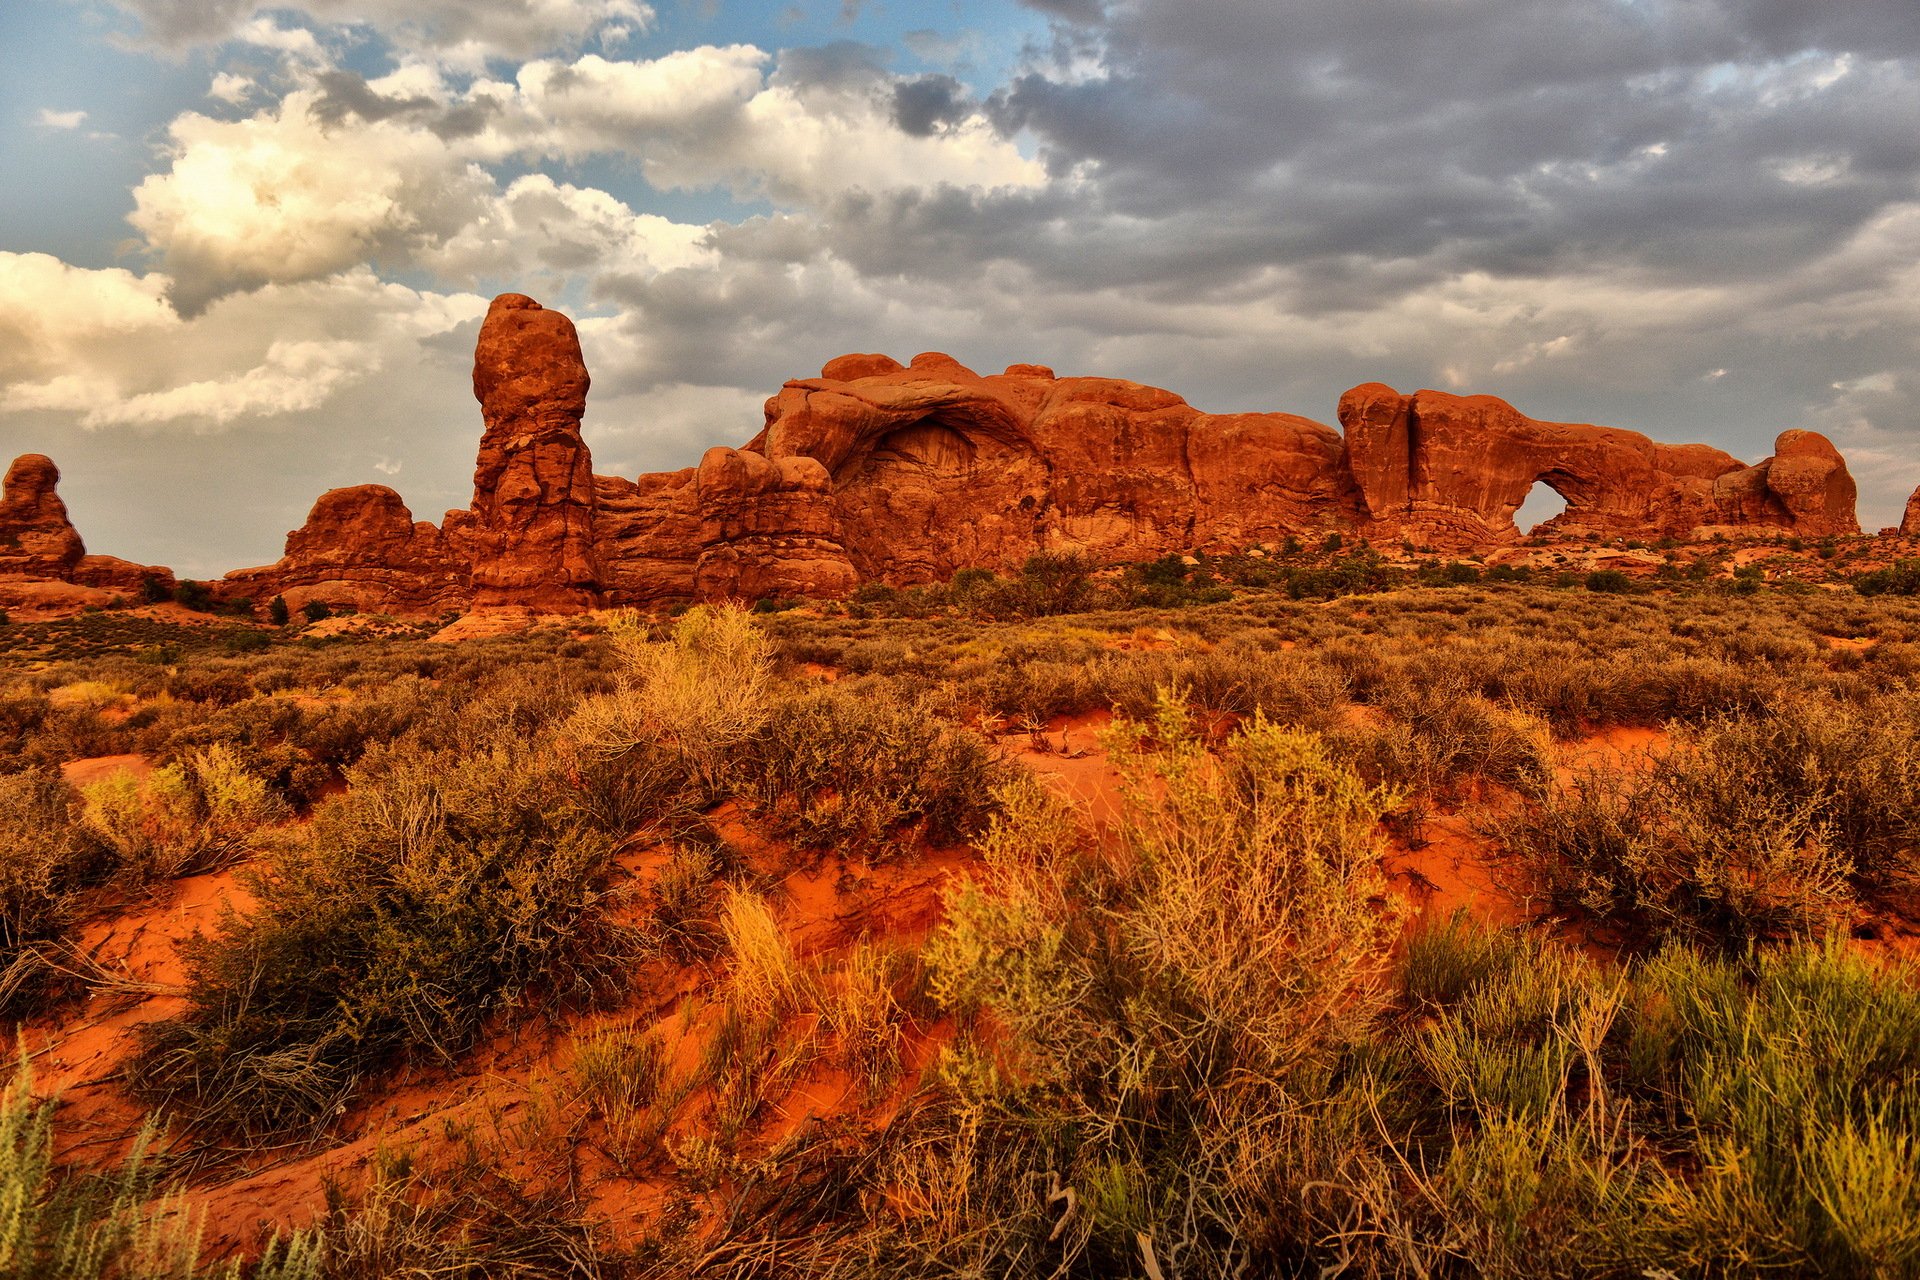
(767, 979)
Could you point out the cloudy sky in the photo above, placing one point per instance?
(245, 246)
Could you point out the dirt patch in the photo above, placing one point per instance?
(100, 768)
(1627, 748)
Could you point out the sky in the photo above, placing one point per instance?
(245, 247)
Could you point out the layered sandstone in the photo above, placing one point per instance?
(361, 548)
(877, 471)
(1451, 471)
(933, 468)
(1910, 518)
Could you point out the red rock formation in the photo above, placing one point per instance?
(933, 468)
(361, 547)
(1451, 470)
(529, 536)
(1910, 518)
(36, 538)
(39, 543)
(878, 471)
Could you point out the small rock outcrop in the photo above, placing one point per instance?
(1450, 471)
(529, 536)
(36, 538)
(361, 547)
(38, 542)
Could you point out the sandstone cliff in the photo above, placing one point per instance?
(878, 471)
(1450, 471)
(361, 547)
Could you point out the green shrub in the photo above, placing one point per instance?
(1902, 578)
(1609, 582)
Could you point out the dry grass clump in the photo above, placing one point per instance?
(47, 857)
(463, 1220)
(443, 887)
(123, 1223)
(1753, 826)
(195, 816)
(864, 774)
(697, 697)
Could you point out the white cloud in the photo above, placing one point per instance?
(231, 88)
(456, 32)
(292, 376)
(51, 119)
(52, 313)
(556, 230)
(278, 197)
(105, 348)
(709, 117)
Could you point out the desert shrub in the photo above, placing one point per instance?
(1167, 1015)
(1796, 1084)
(1291, 689)
(1902, 578)
(690, 701)
(866, 774)
(1754, 825)
(463, 1218)
(186, 818)
(1049, 582)
(47, 856)
(1440, 737)
(441, 888)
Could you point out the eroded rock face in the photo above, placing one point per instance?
(1910, 518)
(360, 546)
(879, 471)
(934, 468)
(529, 535)
(1450, 471)
(36, 538)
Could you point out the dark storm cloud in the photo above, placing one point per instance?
(1081, 11)
(923, 104)
(346, 93)
(840, 64)
(1701, 138)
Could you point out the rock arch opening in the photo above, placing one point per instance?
(1543, 502)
